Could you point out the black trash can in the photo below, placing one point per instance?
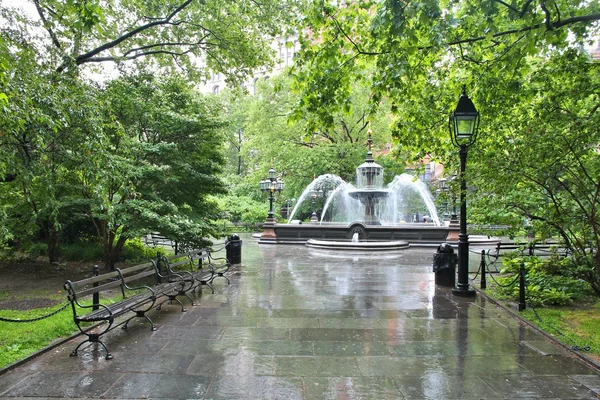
(444, 265)
(233, 250)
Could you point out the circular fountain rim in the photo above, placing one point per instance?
(349, 245)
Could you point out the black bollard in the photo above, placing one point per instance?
(522, 305)
(483, 271)
(96, 296)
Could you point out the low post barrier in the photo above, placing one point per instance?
(96, 295)
(483, 271)
(522, 304)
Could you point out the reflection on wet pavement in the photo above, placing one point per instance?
(296, 323)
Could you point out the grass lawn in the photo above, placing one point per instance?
(19, 340)
(577, 324)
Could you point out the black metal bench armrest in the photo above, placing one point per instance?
(105, 307)
(182, 276)
(126, 286)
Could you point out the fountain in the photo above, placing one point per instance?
(367, 215)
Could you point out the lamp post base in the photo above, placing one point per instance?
(314, 217)
(463, 291)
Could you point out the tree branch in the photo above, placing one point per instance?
(47, 26)
(354, 44)
(507, 5)
(555, 25)
(548, 16)
(133, 57)
(89, 56)
(165, 44)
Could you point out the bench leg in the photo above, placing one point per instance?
(207, 283)
(188, 296)
(222, 275)
(183, 293)
(151, 323)
(93, 338)
(170, 299)
(139, 314)
(180, 303)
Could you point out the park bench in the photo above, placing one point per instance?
(129, 292)
(200, 267)
(157, 240)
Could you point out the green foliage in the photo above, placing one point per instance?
(243, 210)
(135, 251)
(263, 133)
(140, 153)
(231, 37)
(82, 251)
(546, 282)
(526, 70)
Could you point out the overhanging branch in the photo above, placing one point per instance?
(90, 55)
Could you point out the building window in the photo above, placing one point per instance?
(215, 89)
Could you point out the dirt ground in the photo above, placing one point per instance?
(25, 286)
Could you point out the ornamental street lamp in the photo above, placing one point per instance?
(271, 185)
(453, 216)
(463, 125)
(443, 188)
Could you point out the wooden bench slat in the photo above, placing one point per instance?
(95, 279)
(99, 288)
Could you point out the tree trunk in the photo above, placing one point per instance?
(112, 249)
(51, 237)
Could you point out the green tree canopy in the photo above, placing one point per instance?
(524, 65)
(230, 37)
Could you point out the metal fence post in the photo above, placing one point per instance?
(483, 271)
(96, 296)
(522, 304)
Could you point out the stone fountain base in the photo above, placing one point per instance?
(416, 234)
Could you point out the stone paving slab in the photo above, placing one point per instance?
(299, 324)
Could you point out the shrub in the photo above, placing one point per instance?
(135, 251)
(81, 251)
(546, 284)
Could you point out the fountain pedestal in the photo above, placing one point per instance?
(269, 230)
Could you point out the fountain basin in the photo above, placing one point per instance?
(414, 234)
(360, 246)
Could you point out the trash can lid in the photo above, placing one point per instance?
(234, 236)
(445, 248)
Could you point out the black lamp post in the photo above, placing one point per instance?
(453, 216)
(443, 188)
(463, 124)
(271, 185)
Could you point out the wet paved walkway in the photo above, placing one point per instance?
(297, 323)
